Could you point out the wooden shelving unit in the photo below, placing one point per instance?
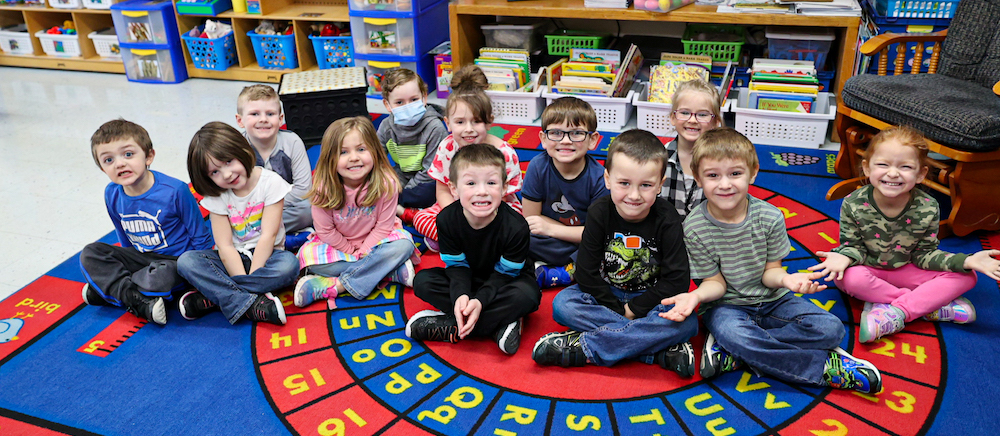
(42, 18)
(301, 14)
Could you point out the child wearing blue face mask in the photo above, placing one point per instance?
(411, 136)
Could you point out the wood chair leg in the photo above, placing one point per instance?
(854, 136)
(844, 188)
(975, 204)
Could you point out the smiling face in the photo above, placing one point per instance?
(230, 174)
(894, 170)
(634, 186)
(726, 183)
(261, 119)
(480, 189)
(355, 160)
(695, 103)
(403, 95)
(465, 127)
(125, 164)
(566, 151)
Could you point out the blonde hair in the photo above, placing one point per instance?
(723, 143)
(469, 86)
(698, 86)
(399, 77)
(221, 142)
(255, 93)
(906, 136)
(328, 187)
(571, 111)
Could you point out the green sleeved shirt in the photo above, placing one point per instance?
(870, 238)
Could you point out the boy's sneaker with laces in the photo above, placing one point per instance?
(959, 311)
(194, 305)
(150, 309)
(403, 275)
(880, 319)
(432, 325)
(313, 287)
(554, 276)
(267, 308)
(678, 358)
(432, 245)
(715, 360)
(91, 297)
(508, 337)
(559, 348)
(844, 371)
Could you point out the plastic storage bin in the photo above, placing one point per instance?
(314, 99)
(720, 51)
(400, 33)
(153, 65)
(99, 4)
(516, 107)
(274, 52)
(65, 46)
(390, 5)
(211, 54)
(204, 7)
(146, 22)
(916, 9)
(65, 4)
(654, 117)
(16, 40)
(880, 20)
(612, 113)
(785, 128)
(376, 65)
(661, 5)
(333, 51)
(521, 36)
(801, 44)
(106, 43)
(559, 44)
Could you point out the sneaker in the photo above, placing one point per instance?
(92, 297)
(267, 308)
(678, 358)
(432, 245)
(312, 287)
(959, 311)
(150, 309)
(508, 337)
(844, 371)
(559, 348)
(715, 360)
(432, 325)
(403, 275)
(880, 319)
(194, 305)
(554, 276)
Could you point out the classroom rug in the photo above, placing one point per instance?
(69, 368)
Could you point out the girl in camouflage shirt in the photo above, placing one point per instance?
(888, 254)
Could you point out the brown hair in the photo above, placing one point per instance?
(480, 155)
(905, 135)
(723, 143)
(699, 86)
(119, 130)
(399, 77)
(469, 86)
(641, 146)
(255, 93)
(328, 188)
(221, 142)
(570, 111)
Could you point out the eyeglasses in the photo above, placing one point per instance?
(574, 135)
(702, 117)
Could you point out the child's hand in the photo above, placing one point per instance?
(834, 265)
(803, 283)
(984, 262)
(684, 305)
(538, 225)
(628, 312)
(467, 314)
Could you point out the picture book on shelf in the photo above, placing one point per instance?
(629, 70)
(673, 70)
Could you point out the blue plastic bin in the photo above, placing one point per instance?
(801, 44)
(153, 63)
(881, 19)
(417, 6)
(377, 65)
(333, 51)
(916, 9)
(274, 52)
(211, 54)
(400, 33)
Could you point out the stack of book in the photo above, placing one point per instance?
(611, 4)
(783, 85)
(588, 72)
(506, 69)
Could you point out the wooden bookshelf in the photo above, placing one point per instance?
(42, 18)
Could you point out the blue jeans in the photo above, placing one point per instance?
(361, 277)
(609, 337)
(234, 295)
(789, 338)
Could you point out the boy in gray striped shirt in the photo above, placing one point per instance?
(735, 245)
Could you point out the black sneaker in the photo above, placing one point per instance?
(715, 360)
(508, 337)
(194, 305)
(844, 371)
(559, 348)
(91, 297)
(150, 309)
(432, 325)
(267, 308)
(678, 358)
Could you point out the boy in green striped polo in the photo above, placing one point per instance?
(735, 246)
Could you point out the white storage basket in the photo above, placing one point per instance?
(106, 43)
(653, 117)
(789, 129)
(511, 107)
(65, 4)
(612, 112)
(59, 45)
(16, 40)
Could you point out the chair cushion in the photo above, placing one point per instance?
(972, 49)
(954, 112)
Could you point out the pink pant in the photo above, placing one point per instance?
(916, 291)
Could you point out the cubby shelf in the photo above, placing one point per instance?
(39, 18)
